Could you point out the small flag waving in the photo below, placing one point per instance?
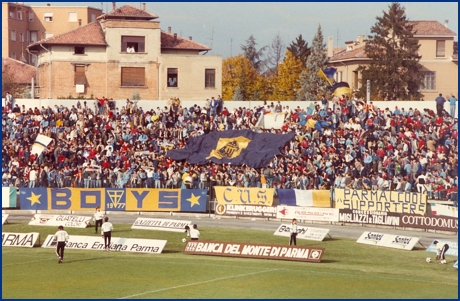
(341, 88)
(40, 144)
(327, 74)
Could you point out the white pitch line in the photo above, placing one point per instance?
(197, 283)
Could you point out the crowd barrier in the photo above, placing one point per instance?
(382, 208)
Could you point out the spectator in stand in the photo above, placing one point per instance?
(440, 100)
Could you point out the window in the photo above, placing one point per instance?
(172, 77)
(338, 76)
(93, 17)
(132, 44)
(48, 35)
(80, 76)
(429, 80)
(21, 37)
(33, 36)
(132, 76)
(31, 17)
(355, 80)
(19, 14)
(73, 17)
(13, 35)
(48, 17)
(79, 50)
(441, 48)
(11, 14)
(210, 78)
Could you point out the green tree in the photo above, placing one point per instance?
(394, 69)
(312, 85)
(254, 56)
(287, 84)
(299, 48)
(275, 55)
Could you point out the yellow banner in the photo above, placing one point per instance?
(153, 199)
(77, 199)
(376, 200)
(244, 196)
(321, 198)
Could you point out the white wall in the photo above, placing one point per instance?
(153, 104)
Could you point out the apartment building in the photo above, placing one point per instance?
(23, 25)
(125, 54)
(440, 64)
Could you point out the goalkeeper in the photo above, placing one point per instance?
(441, 251)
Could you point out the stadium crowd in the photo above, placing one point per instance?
(354, 145)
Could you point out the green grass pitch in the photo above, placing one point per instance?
(347, 270)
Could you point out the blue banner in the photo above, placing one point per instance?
(33, 198)
(193, 200)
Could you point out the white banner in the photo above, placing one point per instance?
(308, 213)
(25, 240)
(303, 232)
(137, 245)
(4, 217)
(438, 209)
(41, 142)
(388, 240)
(161, 224)
(72, 221)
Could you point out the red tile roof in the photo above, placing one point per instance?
(128, 12)
(90, 34)
(430, 28)
(358, 53)
(169, 42)
(20, 72)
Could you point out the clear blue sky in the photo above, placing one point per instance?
(225, 26)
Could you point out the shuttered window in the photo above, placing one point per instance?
(210, 78)
(440, 48)
(132, 76)
(80, 76)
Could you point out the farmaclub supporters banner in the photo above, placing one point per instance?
(24, 240)
(308, 213)
(303, 232)
(244, 195)
(377, 200)
(388, 240)
(96, 243)
(72, 221)
(160, 224)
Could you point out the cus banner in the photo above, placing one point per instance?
(4, 217)
(377, 200)
(245, 210)
(72, 221)
(302, 232)
(25, 240)
(388, 240)
(306, 198)
(166, 200)
(9, 197)
(136, 245)
(263, 251)
(244, 196)
(308, 213)
(161, 224)
(453, 247)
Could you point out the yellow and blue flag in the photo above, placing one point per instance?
(327, 74)
(341, 88)
(235, 147)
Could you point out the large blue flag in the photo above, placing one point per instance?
(236, 147)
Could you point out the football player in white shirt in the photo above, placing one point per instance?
(61, 237)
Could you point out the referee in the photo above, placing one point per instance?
(98, 216)
(61, 237)
(106, 230)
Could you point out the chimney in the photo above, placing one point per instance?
(114, 5)
(169, 29)
(143, 6)
(446, 23)
(330, 47)
(190, 38)
(47, 4)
